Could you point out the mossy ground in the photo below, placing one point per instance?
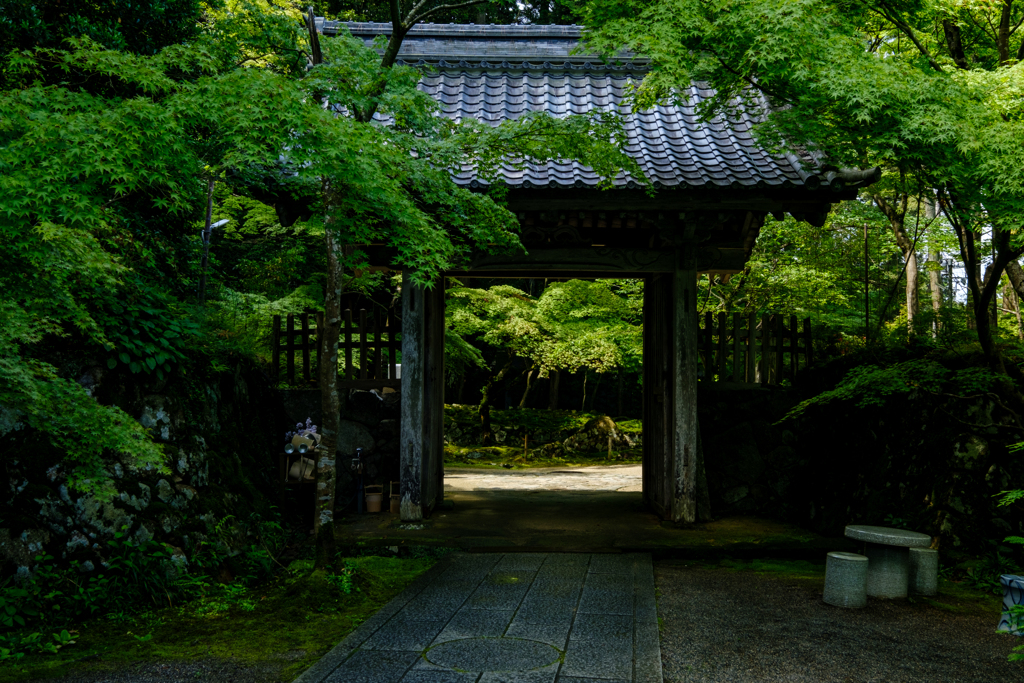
(288, 622)
(534, 419)
(504, 457)
(560, 423)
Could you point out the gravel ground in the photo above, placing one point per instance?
(743, 626)
(219, 670)
(596, 478)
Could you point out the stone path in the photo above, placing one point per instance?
(599, 478)
(510, 618)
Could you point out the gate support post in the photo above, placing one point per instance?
(673, 467)
(422, 413)
(684, 387)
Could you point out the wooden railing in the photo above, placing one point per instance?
(742, 349)
(295, 341)
(368, 346)
(734, 349)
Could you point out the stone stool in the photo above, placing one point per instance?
(846, 576)
(888, 557)
(924, 571)
(1013, 594)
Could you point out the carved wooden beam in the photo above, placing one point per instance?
(586, 262)
(610, 260)
(773, 201)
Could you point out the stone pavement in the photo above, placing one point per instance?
(510, 618)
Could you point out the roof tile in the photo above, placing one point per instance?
(497, 73)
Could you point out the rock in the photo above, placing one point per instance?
(735, 494)
(594, 437)
(600, 425)
(353, 435)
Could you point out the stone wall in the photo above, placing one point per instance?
(219, 431)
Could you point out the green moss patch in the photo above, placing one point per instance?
(289, 622)
(532, 419)
(504, 457)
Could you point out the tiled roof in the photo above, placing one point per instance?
(497, 73)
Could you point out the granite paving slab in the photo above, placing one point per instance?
(510, 618)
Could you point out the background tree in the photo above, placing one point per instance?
(572, 326)
(880, 83)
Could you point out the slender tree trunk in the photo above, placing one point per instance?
(486, 433)
(553, 391)
(529, 385)
(913, 303)
(621, 390)
(207, 234)
(330, 403)
(1015, 274)
(935, 287)
(896, 214)
(593, 392)
(1011, 303)
(983, 290)
(583, 404)
(933, 265)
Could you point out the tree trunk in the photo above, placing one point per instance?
(486, 433)
(529, 385)
(913, 303)
(1015, 274)
(330, 403)
(934, 265)
(621, 390)
(896, 216)
(593, 393)
(1011, 303)
(983, 290)
(583, 404)
(553, 391)
(935, 288)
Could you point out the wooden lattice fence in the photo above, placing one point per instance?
(734, 349)
(369, 346)
(742, 349)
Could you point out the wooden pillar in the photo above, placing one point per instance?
(684, 380)
(422, 416)
(658, 399)
(672, 464)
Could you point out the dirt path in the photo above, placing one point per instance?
(748, 627)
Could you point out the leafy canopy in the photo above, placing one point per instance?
(105, 160)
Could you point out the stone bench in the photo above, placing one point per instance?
(846, 577)
(924, 571)
(888, 553)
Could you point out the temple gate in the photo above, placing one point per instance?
(714, 189)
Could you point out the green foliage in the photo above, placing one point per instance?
(146, 335)
(342, 580)
(919, 89)
(490, 12)
(867, 386)
(138, 26)
(136, 576)
(571, 326)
